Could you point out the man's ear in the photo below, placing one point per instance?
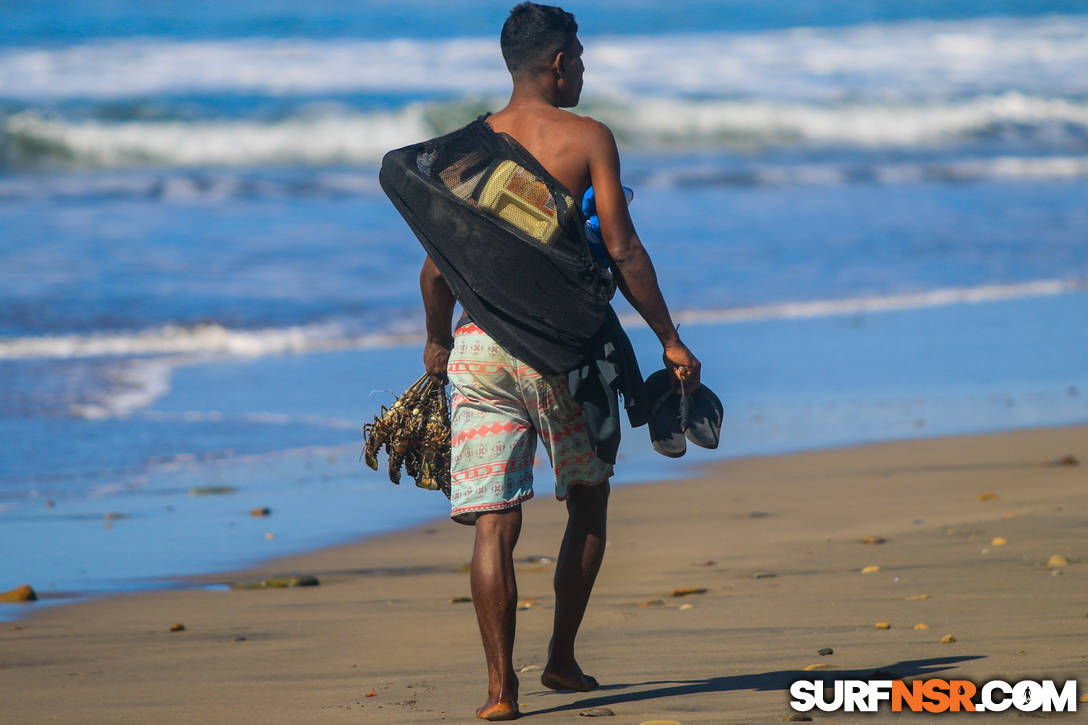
(559, 65)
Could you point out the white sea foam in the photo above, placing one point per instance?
(129, 386)
(208, 339)
(929, 58)
(888, 303)
(215, 340)
(1001, 168)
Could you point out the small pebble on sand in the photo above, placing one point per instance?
(825, 651)
(652, 603)
(260, 511)
(1069, 460)
(947, 639)
(178, 627)
(883, 625)
(921, 625)
(460, 600)
(763, 575)
(1057, 560)
(597, 712)
(988, 496)
(873, 540)
(279, 581)
(686, 591)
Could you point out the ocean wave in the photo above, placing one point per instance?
(29, 139)
(935, 59)
(186, 185)
(216, 340)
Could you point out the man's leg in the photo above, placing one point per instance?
(495, 596)
(579, 561)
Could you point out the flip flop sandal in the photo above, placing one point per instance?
(665, 412)
(704, 421)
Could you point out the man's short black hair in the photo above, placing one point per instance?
(533, 34)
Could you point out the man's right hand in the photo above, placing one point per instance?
(436, 356)
(683, 363)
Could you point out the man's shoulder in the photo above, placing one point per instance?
(587, 125)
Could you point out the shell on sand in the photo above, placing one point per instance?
(947, 639)
(998, 541)
(883, 625)
(1057, 560)
(870, 570)
(921, 625)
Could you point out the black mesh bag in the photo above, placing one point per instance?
(508, 239)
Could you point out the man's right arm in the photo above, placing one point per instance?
(637, 277)
(438, 302)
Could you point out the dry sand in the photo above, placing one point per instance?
(381, 621)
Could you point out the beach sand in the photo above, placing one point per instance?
(776, 542)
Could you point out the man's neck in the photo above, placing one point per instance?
(528, 94)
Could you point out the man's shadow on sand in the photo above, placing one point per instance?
(765, 681)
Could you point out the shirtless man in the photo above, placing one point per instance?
(544, 56)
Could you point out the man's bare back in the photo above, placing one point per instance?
(558, 139)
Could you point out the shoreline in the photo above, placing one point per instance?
(282, 563)
(775, 540)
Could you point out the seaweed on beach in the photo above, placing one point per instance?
(415, 434)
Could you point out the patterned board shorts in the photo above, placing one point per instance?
(500, 405)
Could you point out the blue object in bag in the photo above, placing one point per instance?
(593, 225)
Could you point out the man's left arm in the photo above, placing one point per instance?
(438, 303)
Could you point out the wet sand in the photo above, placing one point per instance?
(776, 542)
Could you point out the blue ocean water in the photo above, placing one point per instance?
(869, 217)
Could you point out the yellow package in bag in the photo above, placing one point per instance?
(517, 196)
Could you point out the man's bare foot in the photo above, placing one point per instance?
(567, 678)
(495, 710)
